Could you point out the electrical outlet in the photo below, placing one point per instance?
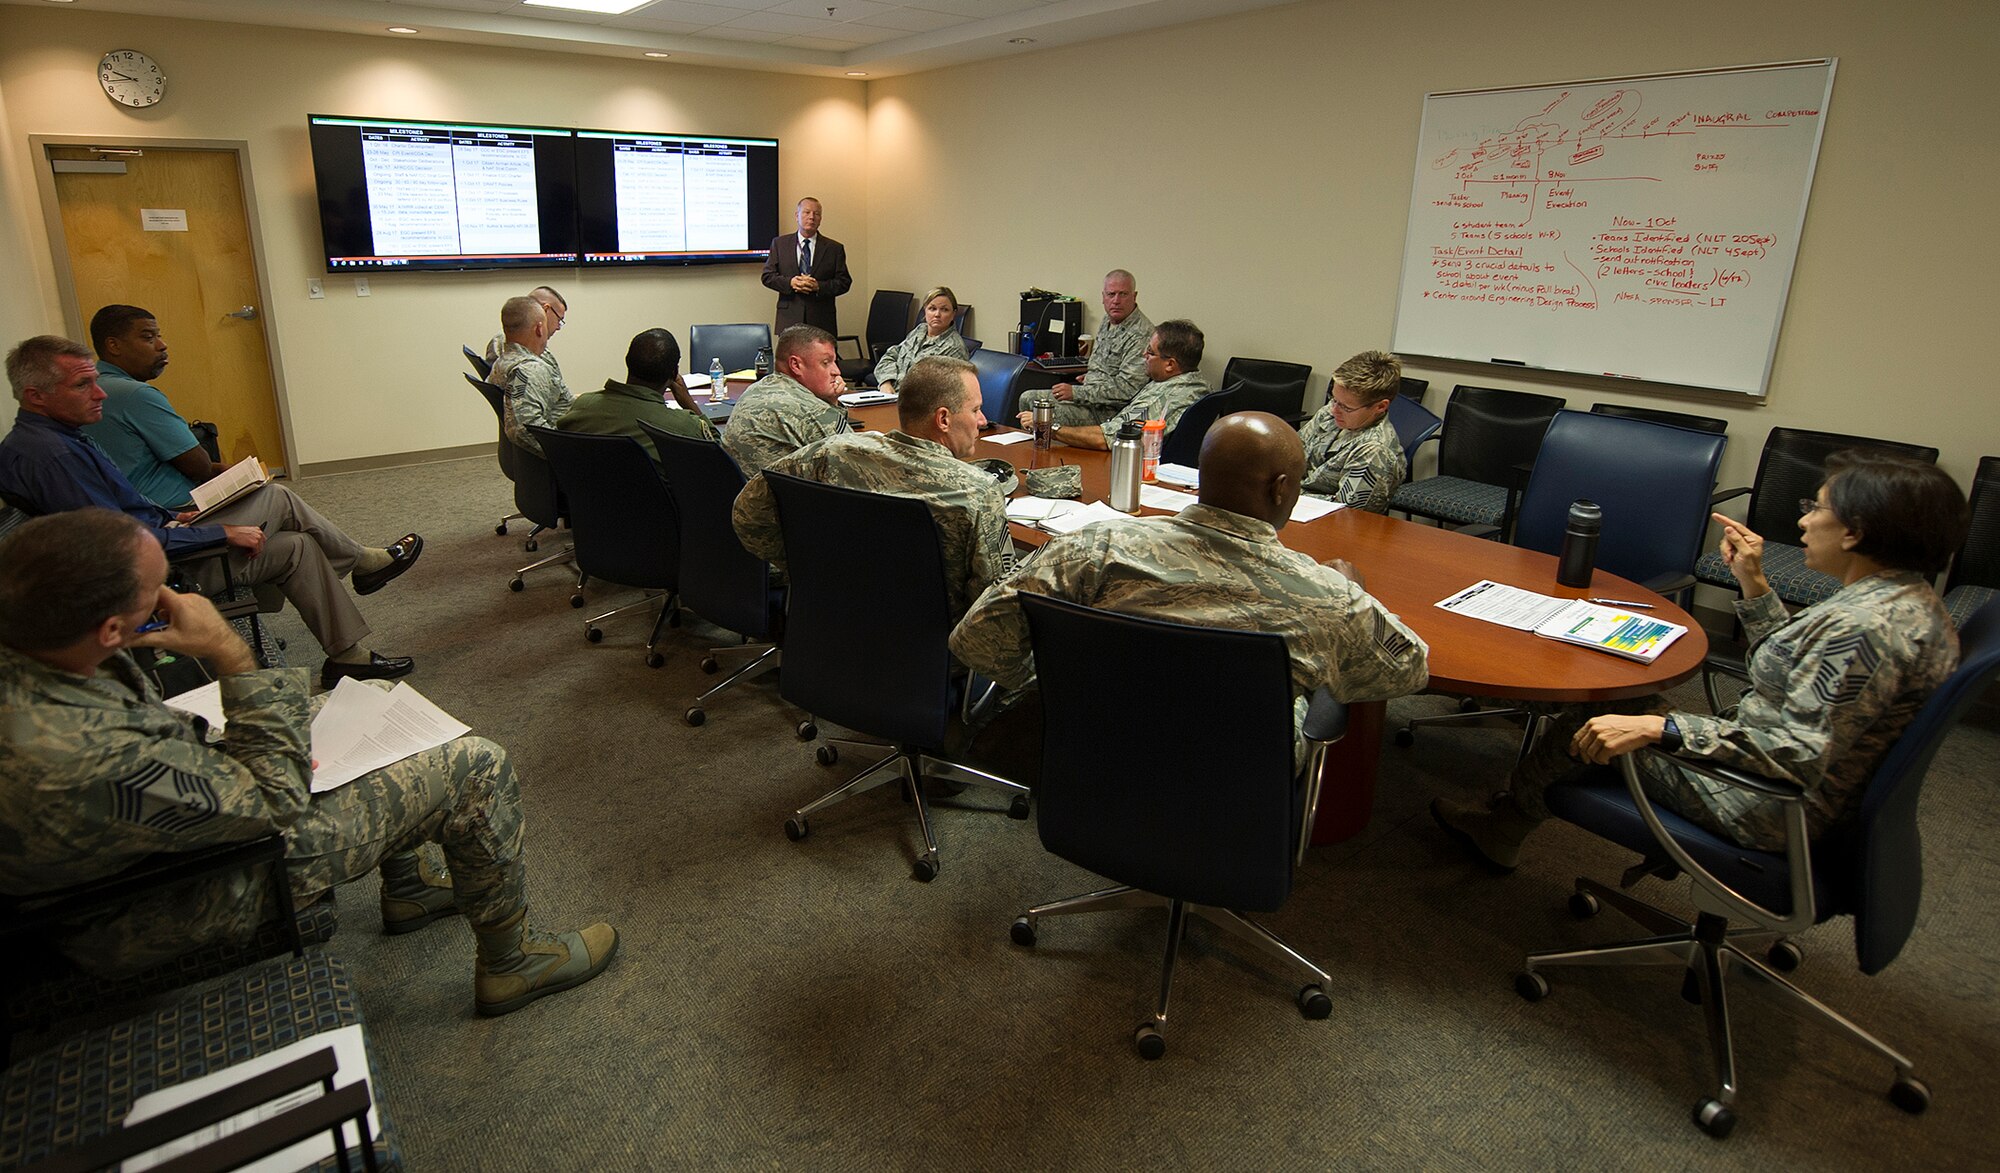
(361, 287)
(315, 289)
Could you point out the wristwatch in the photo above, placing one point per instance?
(1670, 737)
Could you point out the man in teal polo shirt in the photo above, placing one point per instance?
(141, 432)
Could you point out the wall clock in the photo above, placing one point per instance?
(130, 78)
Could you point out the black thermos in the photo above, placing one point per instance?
(1579, 551)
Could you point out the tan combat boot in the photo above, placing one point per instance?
(1492, 832)
(518, 965)
(413, 895)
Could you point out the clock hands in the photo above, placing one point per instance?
(122, 77)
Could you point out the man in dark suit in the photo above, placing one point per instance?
(808, 271)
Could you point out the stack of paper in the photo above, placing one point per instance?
(1075, 519)
(1155, 497)
(1620, 631)
(1178, 474)
(1313, 508)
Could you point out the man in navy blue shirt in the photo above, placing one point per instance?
(47, 465)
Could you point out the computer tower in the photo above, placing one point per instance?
(1056, 321)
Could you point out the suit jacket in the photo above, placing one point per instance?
(829, 266)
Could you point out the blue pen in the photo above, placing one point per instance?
(150, 626)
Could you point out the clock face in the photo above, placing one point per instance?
(131, 78)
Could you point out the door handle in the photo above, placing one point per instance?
(248, 313)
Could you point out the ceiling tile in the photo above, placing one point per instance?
(843, 10)
(723, 32)
(865, 34)
(979, 9)
(672, 15)
(461, 5)
(914, 20)
(778, 22)
(821, 44)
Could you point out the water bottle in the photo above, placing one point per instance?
(1153, 436)
(718, 382)
(1045, 424)
(763, 363)
(1027, 340)
(1125, 461)
(1579, 548)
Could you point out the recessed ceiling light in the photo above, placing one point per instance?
(659, 56)
(607, 7)
(856, 73)
(1021, 41)
(403, 29)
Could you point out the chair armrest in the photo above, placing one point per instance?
(1326, 718)
(860, 351)
(1721, 664)
(1477, 530)
(1668, 584)
(1325, 723)
(1798, 849)
(27, 913)
(1721, 495)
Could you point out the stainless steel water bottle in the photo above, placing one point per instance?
(1045, 424)
(1579, 548)
(1126, 457)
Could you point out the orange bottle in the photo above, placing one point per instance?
(1155, 434)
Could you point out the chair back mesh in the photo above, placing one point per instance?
(735, 343)
(1679, 419)
(621, 517)
(1414, 389)
(1791, 469)
(867, 613)
(1978, 561)
(497, 400)
(1198, 807)
(888, 320)
(1183, 444)
(719, 580)
(1488, 431)
(1652, 480)
(1267, 384)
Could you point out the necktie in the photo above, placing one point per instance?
(806, 257)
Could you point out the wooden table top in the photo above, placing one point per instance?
(1409, 567)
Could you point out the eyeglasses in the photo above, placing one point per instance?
(1340, 408)
(1809, 505)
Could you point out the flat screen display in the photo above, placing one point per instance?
(674, 199)
(396, 194)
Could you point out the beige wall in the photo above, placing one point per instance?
(381, 375)
(1255, 173)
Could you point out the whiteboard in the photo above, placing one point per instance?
(1642, 228)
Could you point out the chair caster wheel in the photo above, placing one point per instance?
(694, 716)
(501, 529)
(1406, 737)
(1313, 1002)
(516, 585)
(1531, 985)
(1910, 1094)
(531, 545)
(1784, 956)
(796, 829)
(708, 666)
(925, 869)
(826, 755)
(1468, 705)
(1714, 1118)
(1582, 905)
(654, 659)
(576, 602)
(1151, 1043)
(1018, 809)
(807, 731)
(1023, 933)
(594, 634)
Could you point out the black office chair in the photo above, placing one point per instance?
(1679, 419)
(538, 498)
(1975, 571)
(1177, 814)
(720, 580)
(1870, 868)
(480, 366)
(888, 322)
(1183, 444)
(1490, 439)
(1000, 377)
(1415, 426)
(865, 630)
(1651, 480)
(735, 343)
(623, 523)
(1269, 384)
(1414, 389)
(504, 451)
(1791, 469)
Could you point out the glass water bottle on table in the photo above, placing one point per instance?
(718, 381)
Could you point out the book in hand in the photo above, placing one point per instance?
(1620, 631)
(244, 477)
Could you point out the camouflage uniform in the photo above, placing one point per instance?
(1212, 568)
(1831, 689)
(536, 394)
(1361, 468)
(1116, 372)
(96, 774)
(898, 359)
(1159, 401)
(968, 505)
(776, 417)
(497, 345)
(618, 409)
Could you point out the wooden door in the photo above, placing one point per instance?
(198, 282)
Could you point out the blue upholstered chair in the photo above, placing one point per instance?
(624, 523)
(999, 384)
(1149, 813)
(1869, 868)
(1415, 426)
(1490, 436)
(893, 681)
(720, 580)
(1791, 469)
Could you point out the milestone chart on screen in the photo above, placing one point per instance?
(397, 194)
(674, 199)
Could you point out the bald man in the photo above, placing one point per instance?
(1215, 564)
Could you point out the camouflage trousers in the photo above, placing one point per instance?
(1067, 415)
(1738, 815)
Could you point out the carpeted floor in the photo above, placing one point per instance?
(807, 1005)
